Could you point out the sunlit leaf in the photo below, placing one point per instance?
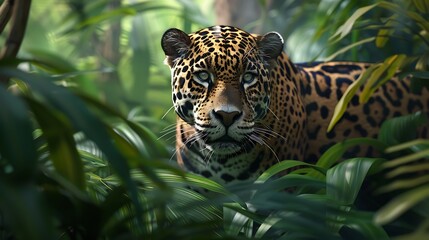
(341, 106)
(423, 64)
(408, 183)
(205, 183)
(412, 169)
(400, 204)
(234, 221)
(266, 225)
(292, 181)
(348, 25)
(407, 159)
(283, 166)
(384, 34)
(415, 145)
(381, 75)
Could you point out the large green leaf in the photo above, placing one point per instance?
(291, 181)
(62, 147)
(205, 183)
(268, 223)
(25, 212)
(82, 120)
(401, 129)
(344, 180)
(237, 219)
(16, 140)
(284, 166)
(297, 216)
(334, 153)
(152, 148)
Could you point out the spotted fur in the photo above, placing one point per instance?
(243, 106)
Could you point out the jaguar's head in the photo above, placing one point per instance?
(221, 82)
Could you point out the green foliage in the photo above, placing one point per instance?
(412, 24)
(74, 167)
(412, 188)
(405, 175)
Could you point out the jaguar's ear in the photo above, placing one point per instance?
(175, 44)
(270, 46)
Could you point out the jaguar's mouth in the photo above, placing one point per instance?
(224, 139)
(224, 145)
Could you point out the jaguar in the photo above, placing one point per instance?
(242, 105)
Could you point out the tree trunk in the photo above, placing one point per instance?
(110, 51)
(18, 11)
(238, 13)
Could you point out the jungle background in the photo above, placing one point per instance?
(87, 130)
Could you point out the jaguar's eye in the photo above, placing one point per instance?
(203, 76)
(248, 78)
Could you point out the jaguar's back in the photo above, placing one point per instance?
(242, 105)
(325, 84)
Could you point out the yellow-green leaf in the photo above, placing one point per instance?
(384, 33)
(345, 29)
(348, 47)
(341, 106)
(421, 5)
(381, 75)
(401, 204)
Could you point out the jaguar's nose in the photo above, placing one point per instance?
(227, 118)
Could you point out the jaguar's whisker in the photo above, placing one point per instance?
(262, 142)
(165, 114)
(173, 131)
(169, 127)
(269, 109)
(269, 132)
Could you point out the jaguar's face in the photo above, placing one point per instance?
(221, 82)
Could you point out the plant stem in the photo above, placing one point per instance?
(5, 13)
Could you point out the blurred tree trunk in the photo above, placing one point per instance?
(238, 13)
(17, 11)
(110, 52)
